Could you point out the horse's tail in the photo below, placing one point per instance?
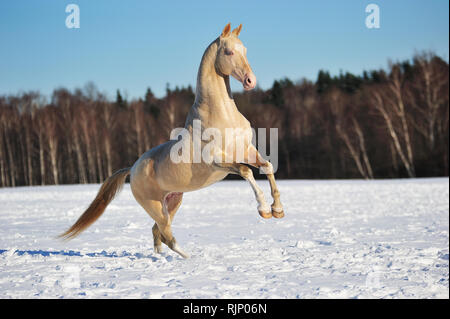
(110, 188)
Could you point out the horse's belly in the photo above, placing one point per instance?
(158, 166)
(186, 177)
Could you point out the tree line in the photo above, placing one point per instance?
(390, 123)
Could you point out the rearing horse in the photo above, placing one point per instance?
(158, 183)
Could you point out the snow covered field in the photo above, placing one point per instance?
(339, 239)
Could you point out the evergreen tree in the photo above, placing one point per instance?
(324, 81)
(120, 102)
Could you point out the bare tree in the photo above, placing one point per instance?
(87, 126)
(108, 124)
(39, 126)
(389, 102)
(73, 136)
(10, 121)
(53, 136)
(350, 132)
(138, 113)
(429, 95)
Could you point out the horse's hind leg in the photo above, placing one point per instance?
(157, 245)
(174, 202)
(168, 239)
(170, 205)
(163, 212)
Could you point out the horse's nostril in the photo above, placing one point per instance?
(249, 81)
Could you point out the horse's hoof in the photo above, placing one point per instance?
(265, 215)
(277, 214)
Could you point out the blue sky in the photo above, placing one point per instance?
(135, 44)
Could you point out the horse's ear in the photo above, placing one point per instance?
(237, 30)
(226, 31)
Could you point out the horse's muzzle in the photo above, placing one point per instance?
(249, 81)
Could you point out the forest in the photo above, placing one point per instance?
(391, 123)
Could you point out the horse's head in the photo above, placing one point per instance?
(232, 58)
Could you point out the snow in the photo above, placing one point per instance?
(339, 239)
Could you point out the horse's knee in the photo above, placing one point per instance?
(267, 168)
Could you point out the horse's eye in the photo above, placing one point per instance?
(228, 52)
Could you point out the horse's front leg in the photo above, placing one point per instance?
(267, 168)
(246, 173)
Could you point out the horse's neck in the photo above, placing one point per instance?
(213, 93)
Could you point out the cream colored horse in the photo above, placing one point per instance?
(158, 183)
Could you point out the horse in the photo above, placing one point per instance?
(158, 182)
